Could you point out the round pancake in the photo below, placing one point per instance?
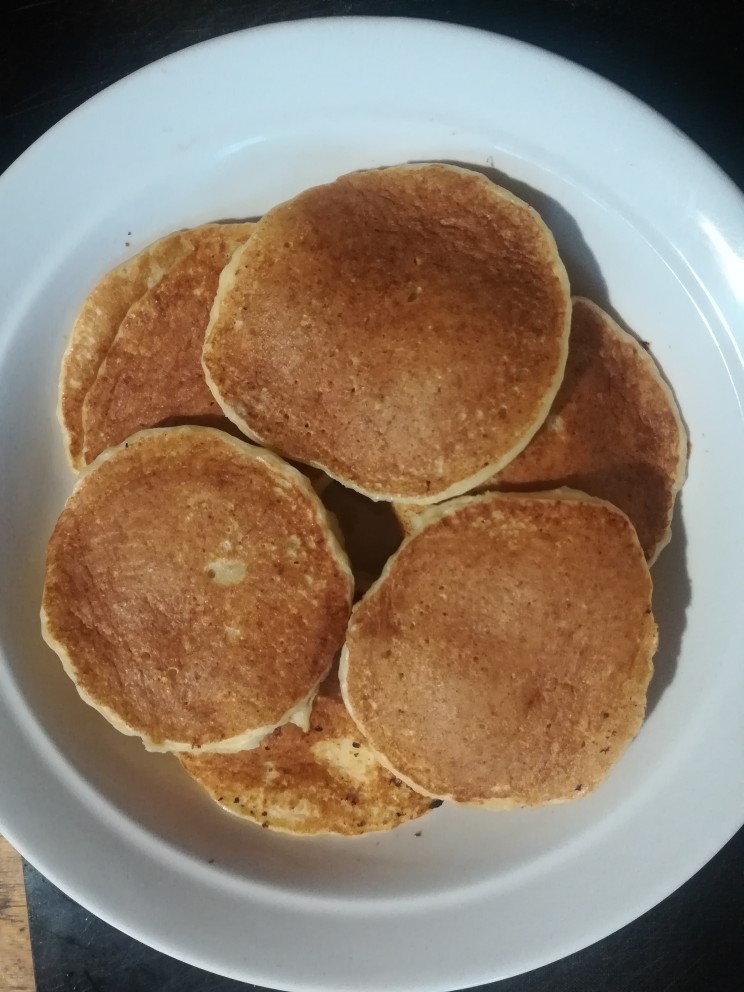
(326, 781)
(152, 372)
(504, 655)
(614, 431)
(194, 591)
(404, 329)
(96, 325)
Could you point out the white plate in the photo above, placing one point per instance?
(647, 225)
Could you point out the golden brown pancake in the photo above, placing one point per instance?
(404, 329)
(614, 431)
(152, 373)
(194, 590)
(503, 657)
(326, 781)
(96, 325)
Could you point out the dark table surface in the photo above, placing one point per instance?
(683, 57)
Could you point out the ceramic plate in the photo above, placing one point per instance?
(649, 228)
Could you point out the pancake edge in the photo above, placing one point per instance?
(657, 375)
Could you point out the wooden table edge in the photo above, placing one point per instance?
(16, 962)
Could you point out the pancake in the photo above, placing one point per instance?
(325, 781)
(503, 658)
(151, 375)
(194, 591)
(404, 329)
(96, 325)
(614, 431)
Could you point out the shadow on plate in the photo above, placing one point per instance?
(672, 593)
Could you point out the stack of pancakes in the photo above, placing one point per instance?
(381, 391)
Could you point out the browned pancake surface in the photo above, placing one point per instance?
(405, 329)
(193, 588)
(505, 654)
(614, 430)
(152, 372)
(323, 781)
(96, 326)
